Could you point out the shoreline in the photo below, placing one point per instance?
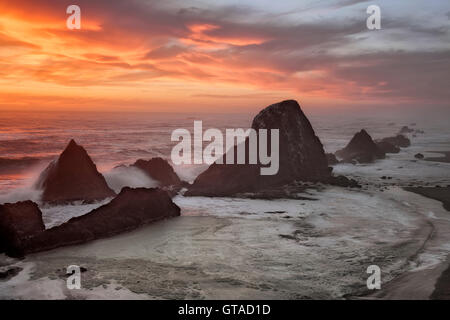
(441, 194)
(428, 282)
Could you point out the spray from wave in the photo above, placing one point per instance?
(26, 191)
(122, 176)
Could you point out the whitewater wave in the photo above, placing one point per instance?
(120, 177)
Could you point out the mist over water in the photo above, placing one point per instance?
(29, 141)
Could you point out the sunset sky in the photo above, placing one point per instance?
(225, 55)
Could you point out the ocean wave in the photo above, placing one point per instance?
(122, 176)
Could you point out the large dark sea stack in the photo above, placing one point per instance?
(301, 157)
(18, 222)
(73, 177)
(361, 149)
(131, 209)
(160, 170)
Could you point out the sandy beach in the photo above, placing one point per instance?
(303, 250)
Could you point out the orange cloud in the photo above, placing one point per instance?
(134, 54)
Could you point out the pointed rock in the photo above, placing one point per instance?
(361, 148)
(301, 156)
(73, 177)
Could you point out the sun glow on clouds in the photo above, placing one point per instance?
(140, 55)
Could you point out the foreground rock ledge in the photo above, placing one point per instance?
(131, 209)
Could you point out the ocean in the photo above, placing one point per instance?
(223, 247)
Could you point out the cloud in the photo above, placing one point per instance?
(136, 43)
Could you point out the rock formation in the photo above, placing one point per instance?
(405, 129)
(18, 222)
(301, 156)
(419, 156)
(160, 170)
(331, 159)
(387, 147)
(131, 209)
(398, 141)
(361, 148)
(73, 177)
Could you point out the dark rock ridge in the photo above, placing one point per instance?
(387, 147)
(419, 156)
(398, 141)
(18, 222)
(331, 159)
(73, 177)
(131, 209)
(301, 157)
(361, 149)
(160, 170)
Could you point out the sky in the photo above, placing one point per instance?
(223, 56)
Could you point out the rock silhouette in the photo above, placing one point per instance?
(331, 159)
(405, 129)
(387, 147)
(398, 141)
(301, 156)
(73, 177)
(18, 222)
(131, 209)
(419, 156)
(361, 149)
(160, 170)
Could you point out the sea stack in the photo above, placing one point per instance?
(301, 157)
(361, 149)
(160, 170)
(73, 177)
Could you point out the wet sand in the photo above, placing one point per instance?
(442, 287)
(432, 281)
(444, 159)
(437, 193)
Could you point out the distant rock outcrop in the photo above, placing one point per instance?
(361, 149)
(301, 157)
(160, 170)
(405, 129)
(18, 222)
(387, 147)
(331, 159)
(73, 177)
(398, 141)
(419, 156)
(131, 209)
